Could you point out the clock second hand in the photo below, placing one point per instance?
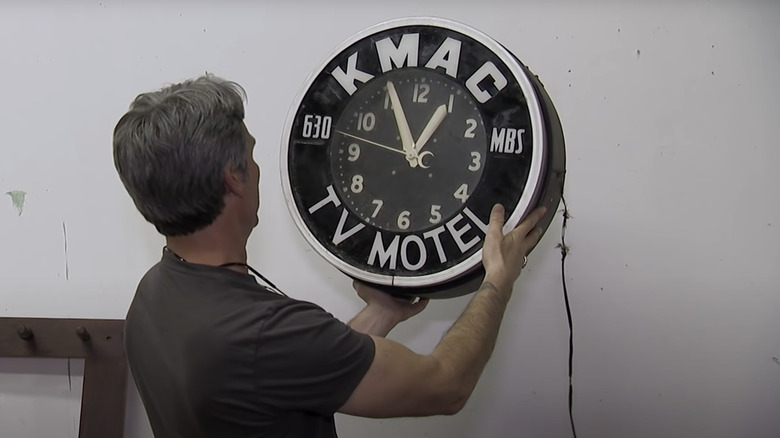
(365, 140)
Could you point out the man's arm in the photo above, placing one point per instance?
(403, 383)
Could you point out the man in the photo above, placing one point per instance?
(214, 353)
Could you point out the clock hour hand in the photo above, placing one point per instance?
(365, 140)
(403, 125)
(436, 119)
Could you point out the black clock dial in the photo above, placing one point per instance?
(402, 141)
(376, 179)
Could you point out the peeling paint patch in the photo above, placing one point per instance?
(17, 198)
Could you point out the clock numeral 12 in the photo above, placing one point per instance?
(421, 93)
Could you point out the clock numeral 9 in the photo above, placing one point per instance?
(435, 214)
(403, 220)
(471, 127)
(357, 184)
(421, 93)
(354, 152)
(475, 161)
(462, 193)
(316, 126)
(366, 122)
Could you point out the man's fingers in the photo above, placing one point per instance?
(496, 219)
(528, 224)
(532, 239)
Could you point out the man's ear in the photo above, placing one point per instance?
(235, 181)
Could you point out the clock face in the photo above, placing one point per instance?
(402, 141)
(377, 182)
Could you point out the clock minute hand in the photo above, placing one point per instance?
(433, 124)
(403, 125)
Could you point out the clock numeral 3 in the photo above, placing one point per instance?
(475, 162)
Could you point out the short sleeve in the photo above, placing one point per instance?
(308, 360)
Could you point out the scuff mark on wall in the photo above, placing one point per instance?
(65, 238)
(17, 198)
(777, 361)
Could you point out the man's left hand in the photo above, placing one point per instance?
(383, 311)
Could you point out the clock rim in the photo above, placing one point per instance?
(519, 210)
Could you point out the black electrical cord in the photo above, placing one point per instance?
(564, 252)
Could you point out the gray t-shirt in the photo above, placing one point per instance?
(215, 354)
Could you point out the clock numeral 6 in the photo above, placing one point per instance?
(403, 220)
(357, 184)
(435, 214)
(316, 126)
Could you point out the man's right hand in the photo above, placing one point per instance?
(402, 383)
(503, 255)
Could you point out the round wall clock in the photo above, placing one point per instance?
(400, 143)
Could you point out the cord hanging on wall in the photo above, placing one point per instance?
(565, 252)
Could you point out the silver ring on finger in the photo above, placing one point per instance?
(525, 261)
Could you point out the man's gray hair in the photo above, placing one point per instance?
(172, 148)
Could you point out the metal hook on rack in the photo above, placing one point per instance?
(25, 332)
(83, 334)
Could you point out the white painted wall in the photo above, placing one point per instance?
(671, 114)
